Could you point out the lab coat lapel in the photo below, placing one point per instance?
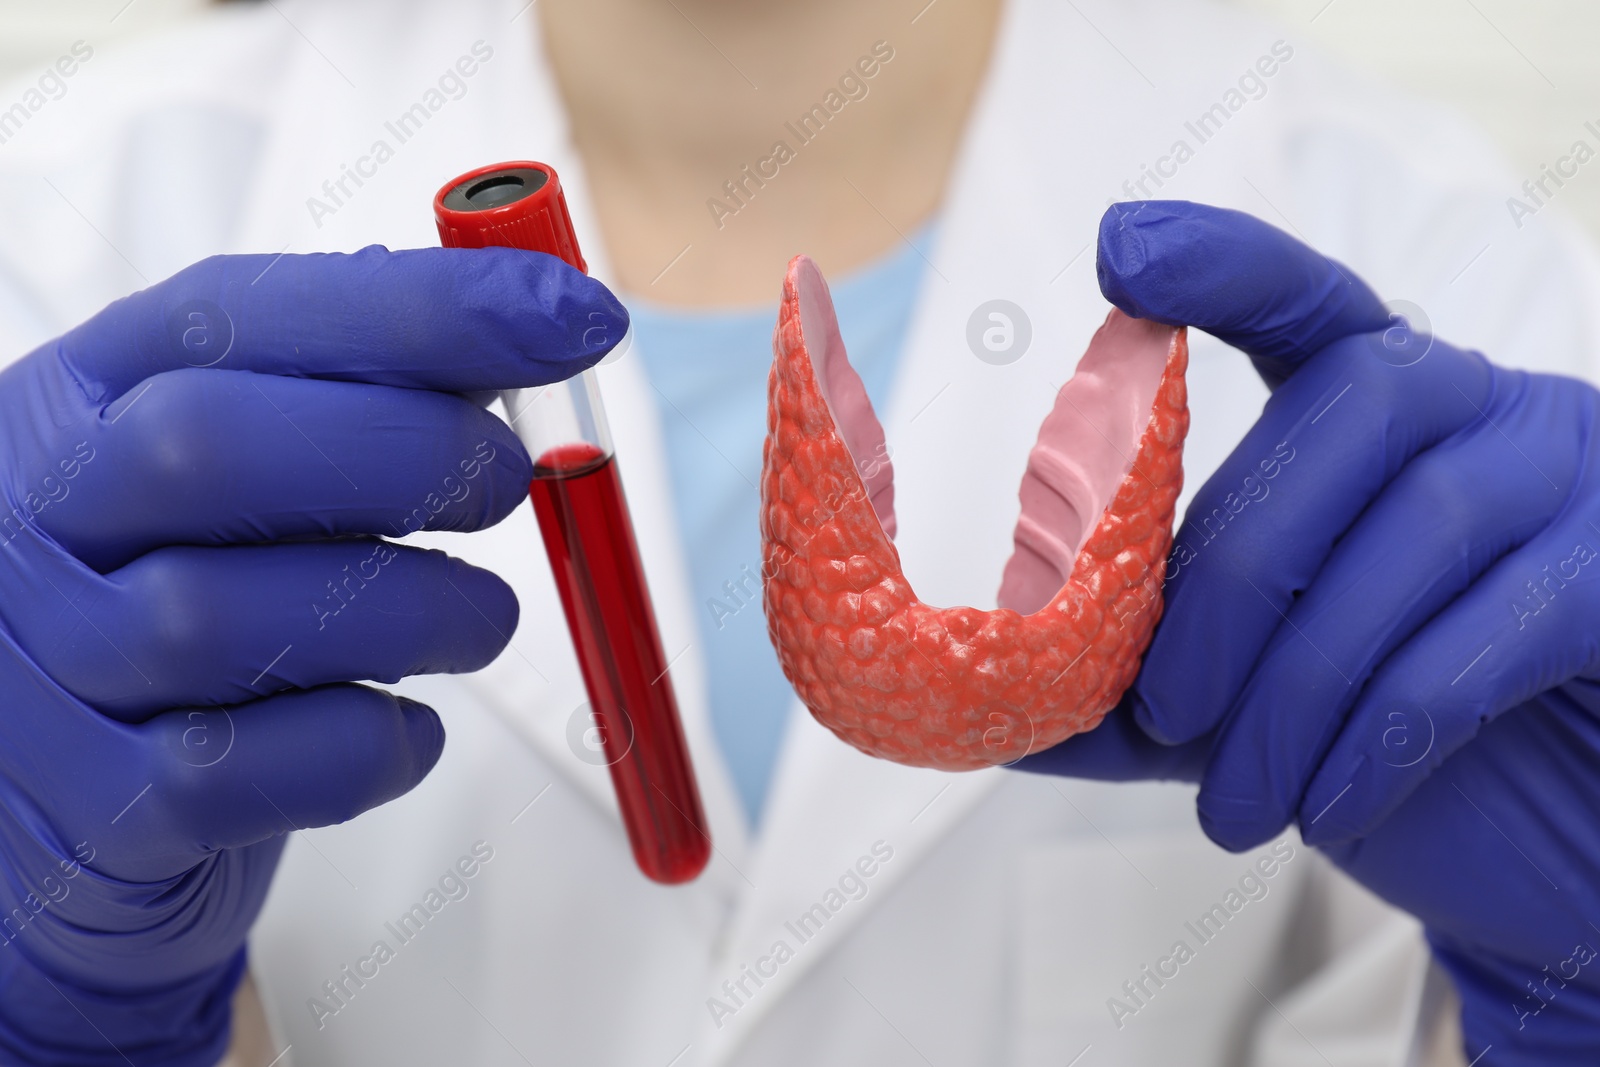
(634, 425)
(510, 110)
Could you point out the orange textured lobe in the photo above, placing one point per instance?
(961, 688)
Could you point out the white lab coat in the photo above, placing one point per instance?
(1012, 909)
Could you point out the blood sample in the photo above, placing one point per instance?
(589, 539)
(588, 536)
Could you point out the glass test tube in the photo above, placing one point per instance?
(588, 536)
(589, 539)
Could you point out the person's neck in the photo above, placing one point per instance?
(670, 100)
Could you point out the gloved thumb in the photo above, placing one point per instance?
(1247, 283)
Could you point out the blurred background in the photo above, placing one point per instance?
(1524, 70)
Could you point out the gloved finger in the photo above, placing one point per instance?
(1525, 628)
(1247, 283)
(1443, 521)
(204, 626)
(448, 319)
(214, 456)
(229, 777)
(1262, 527)
(1118, 751)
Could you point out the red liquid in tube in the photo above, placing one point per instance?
(589, 538)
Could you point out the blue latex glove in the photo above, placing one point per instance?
(1381, 622)
(191, 481)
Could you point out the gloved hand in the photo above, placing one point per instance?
(1383, 622)
(188, 578)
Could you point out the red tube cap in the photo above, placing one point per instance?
(513, 205)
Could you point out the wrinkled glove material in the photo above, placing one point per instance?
(1381, 621)
(192, 485)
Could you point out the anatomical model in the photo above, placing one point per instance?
(959, 688)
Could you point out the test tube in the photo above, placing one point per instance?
(588, 537)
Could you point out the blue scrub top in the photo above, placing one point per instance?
(709, 370)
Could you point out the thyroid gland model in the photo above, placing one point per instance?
(959, 688)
